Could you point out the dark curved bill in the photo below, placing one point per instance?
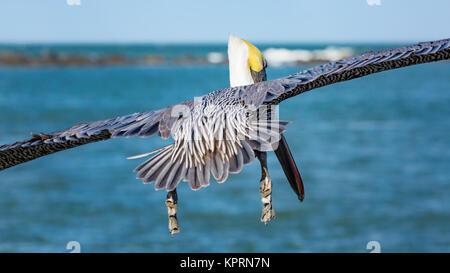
(290, 168)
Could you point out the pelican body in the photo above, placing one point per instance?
(218, 133)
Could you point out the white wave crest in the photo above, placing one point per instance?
(283, 56)
(216, 57)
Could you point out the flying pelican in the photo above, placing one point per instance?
(218, 133)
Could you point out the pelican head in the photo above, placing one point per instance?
(247, 64)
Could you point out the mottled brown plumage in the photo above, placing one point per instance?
(253, 96)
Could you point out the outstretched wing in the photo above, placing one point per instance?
(275, 91)
(144, 124)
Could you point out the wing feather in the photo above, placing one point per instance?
(275, 91)
(143, 124)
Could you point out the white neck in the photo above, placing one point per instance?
(238, 62)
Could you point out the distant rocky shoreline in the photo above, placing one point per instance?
(9, 58)
(275, 57)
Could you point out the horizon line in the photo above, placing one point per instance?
(200, 42)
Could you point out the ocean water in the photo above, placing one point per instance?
(374, 154)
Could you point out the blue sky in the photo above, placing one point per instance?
(211, 21)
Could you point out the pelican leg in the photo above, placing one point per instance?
(171, 203)
(265, 189)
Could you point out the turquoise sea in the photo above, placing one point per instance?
(374, 154)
